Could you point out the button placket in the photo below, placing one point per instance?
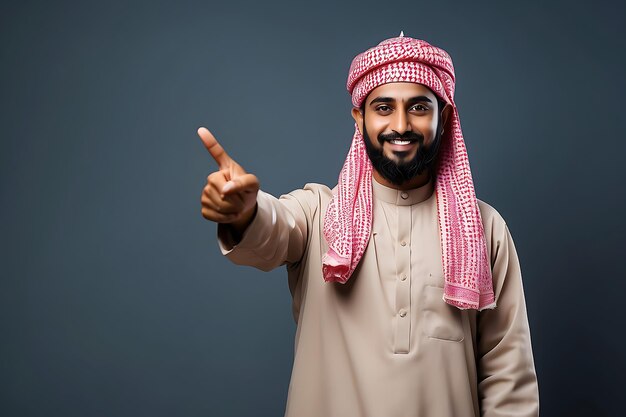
(403, 283)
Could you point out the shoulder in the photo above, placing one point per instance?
(311, 197)
(310, 192)
(489, 215)
(495, 227)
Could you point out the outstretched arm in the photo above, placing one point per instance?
(277, 234)
(254, 227)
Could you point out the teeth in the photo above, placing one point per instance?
(400, 142)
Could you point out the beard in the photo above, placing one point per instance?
(400, 172)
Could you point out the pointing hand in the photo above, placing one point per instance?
(230, 193)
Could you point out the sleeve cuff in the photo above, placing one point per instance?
(257, 232)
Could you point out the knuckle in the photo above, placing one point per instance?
(215, 177)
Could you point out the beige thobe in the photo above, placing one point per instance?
(385, 344)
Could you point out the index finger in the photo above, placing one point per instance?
(215, 149)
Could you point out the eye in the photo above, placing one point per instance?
(383, 108)
(420, 107)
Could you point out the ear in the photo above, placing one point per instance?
(445, 115)
(358, 118)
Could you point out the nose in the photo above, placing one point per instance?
(400, 123)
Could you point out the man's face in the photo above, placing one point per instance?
(400, 127)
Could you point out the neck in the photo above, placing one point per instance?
(415, 182)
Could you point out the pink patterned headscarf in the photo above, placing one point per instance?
(348, 219)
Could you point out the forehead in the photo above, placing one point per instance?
(400, 91)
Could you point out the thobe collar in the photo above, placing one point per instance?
(402, 197)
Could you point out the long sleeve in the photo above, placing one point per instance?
(507, 382)
(277, 234)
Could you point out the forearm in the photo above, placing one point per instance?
(507, 381)
(275, 235)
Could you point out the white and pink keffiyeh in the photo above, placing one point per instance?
(348, 219)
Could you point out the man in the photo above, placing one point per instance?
(407, 289)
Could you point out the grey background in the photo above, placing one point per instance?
(115, 300)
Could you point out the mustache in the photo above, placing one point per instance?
(412, 136)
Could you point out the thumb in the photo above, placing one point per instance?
(241, 183)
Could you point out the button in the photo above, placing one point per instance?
(404, 195)
(403, 243)
(402, 313)
(403, 277)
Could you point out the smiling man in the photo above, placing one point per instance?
(407, 289)
(413, 116)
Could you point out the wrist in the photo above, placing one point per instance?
(240, 226)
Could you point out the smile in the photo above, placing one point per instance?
(400, 145)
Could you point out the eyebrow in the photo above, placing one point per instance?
(392, 100)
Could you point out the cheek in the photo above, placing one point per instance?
(427, 126)
(375, 127)
(373, 130)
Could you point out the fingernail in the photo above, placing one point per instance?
(229, 186)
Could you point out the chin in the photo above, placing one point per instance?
(400, 157)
